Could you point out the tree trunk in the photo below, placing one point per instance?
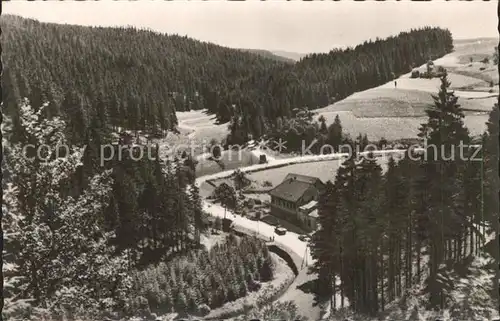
(382, 277)
(341, 278)
(419, 270)
(391, 270)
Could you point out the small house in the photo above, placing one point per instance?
(295, 200)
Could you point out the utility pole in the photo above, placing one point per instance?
(304, 260)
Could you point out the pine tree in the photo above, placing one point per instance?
(335, 133)
(444, 132)
(326, 244)
(323, 128)
(227, 196)
(345, 186)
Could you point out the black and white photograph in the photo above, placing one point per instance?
(250, 160)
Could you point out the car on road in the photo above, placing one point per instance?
(280, 230)
(304, 238)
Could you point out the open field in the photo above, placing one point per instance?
(229, 160)
(394, 128)
(324, 170)
(489, 73)
(196, 129)
(459, 61)
(201, 126)
(432, 85)
(385, 102)
(475, 48)
(396, 113)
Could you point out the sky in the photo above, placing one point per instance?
(293, 26)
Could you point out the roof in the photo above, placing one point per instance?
(290, 190)
(309, 205)
(293, 187)
(302, 178)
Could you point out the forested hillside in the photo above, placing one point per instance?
(269, 54)
(321, 79)
(137, 79)
(123, 76)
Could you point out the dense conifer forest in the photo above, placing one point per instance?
(137, 79)
(204, 280)
(125, 77)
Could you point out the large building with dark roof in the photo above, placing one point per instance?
(295, 200)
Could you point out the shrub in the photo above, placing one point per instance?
(415, 74)
(215, 149)
(267, 184)
(204, 309)
(218, 223)
(486, 60)
(440, 74)
(140, 304)
(482, 68)
(240, 179)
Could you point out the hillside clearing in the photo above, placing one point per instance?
(383, 102)
(324, 170)
(393, 128)
(432, 85)
(229, 160)
(196, 129)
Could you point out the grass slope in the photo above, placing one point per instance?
(396, 113)
(324, 170)
(229, 160)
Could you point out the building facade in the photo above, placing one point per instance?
(296, 199)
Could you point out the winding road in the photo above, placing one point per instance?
(290, 241)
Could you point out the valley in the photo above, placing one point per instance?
(230, 216)
(382, 112)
